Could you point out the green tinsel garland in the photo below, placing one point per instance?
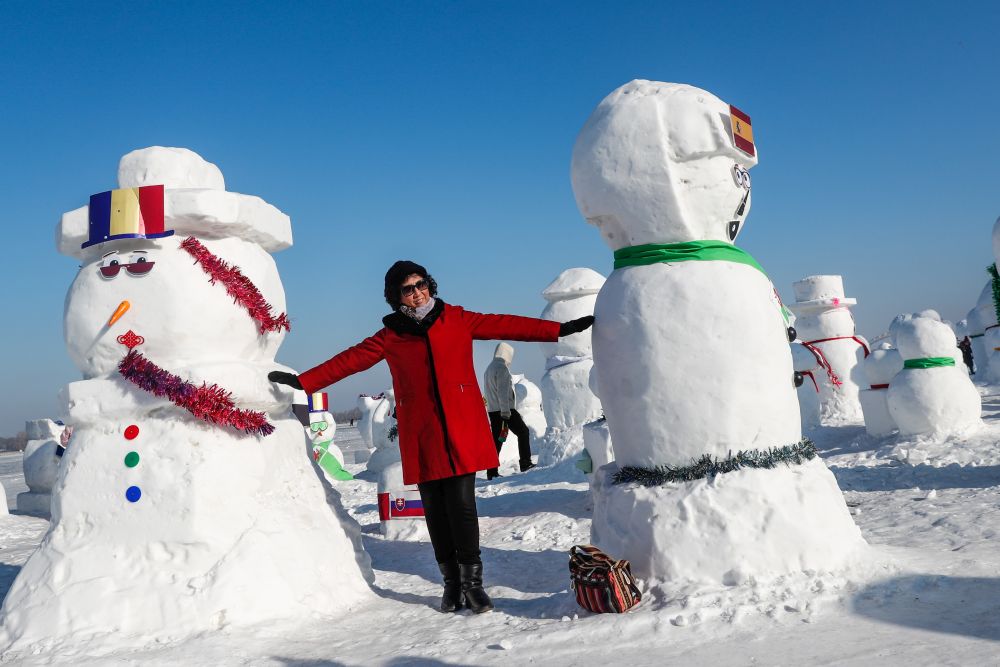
(992, 270)
(706, 466)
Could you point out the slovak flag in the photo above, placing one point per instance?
(406, 505)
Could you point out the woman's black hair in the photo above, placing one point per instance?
(399, 272)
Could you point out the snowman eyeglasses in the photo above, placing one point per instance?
(407, 290)
(318, 426)
(135, 268)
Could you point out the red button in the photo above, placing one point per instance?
(131, 432)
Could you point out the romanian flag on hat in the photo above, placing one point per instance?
(318, 402)
(742, 131)
(129, 213)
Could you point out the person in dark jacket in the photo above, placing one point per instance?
(444, 434)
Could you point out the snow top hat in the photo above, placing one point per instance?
(818, 293)
(663, 163)
(573, 283)
(318, 402)
(193, 201)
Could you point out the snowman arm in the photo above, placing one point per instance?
(353, 360)
(485, 326)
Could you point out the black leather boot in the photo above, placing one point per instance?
(451, 600)
(475, 595)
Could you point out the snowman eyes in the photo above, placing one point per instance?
(138, 265)
(741, 176)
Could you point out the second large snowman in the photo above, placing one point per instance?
(691, 346)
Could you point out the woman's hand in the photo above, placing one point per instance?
(576, 326)
(281, 377)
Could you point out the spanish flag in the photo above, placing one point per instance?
(129, 213)
(742, 131)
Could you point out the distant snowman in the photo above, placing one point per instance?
(989, 310)
(321, 427)
(568, 400)
(691, 350)
(185, 502)
(826, 330)
(879, 368)
(932, 394)
(41, 465)
(384, 430)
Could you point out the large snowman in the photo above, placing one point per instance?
(187, 500)
(690, 347)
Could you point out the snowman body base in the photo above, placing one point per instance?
(693, 359)
(35, 504)
(206, 543)
(942, 401)
(568, 399)
(878, 421)
(751, 524)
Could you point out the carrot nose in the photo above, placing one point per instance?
(119, 311)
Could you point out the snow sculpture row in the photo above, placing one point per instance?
(661, 170)
(171, 517)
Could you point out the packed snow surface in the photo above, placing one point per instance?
(930, 597)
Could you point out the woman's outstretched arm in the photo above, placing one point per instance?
(353, 360)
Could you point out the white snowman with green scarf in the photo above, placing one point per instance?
(690, 347)
(932, 394)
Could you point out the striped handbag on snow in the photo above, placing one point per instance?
(602, 584)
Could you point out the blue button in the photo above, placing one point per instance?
(133, 493)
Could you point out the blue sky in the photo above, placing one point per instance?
(442, 133)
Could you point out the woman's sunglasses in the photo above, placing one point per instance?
(409, 290)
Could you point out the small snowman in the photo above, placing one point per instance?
(568, 401)
(690, 345)
(385, 433)
(367, 405)
(184, 503)
(826, 331)
(932, 394)
(41, 466)
(879, 368)
(320, 430)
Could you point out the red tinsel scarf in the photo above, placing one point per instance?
(210, 403)
(239, 286)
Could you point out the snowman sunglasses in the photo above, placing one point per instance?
(742, 178)
(135, 268)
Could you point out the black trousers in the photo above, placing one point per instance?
(452, 519)
(516, 426)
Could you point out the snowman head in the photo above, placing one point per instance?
(663, 163)
(923, 337)
(150, 290)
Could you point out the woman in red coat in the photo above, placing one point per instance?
(444, 433)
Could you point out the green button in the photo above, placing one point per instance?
(132, 459)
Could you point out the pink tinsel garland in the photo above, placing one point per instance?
(239, 286)
(210, 403)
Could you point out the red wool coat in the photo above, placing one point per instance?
(443, 427)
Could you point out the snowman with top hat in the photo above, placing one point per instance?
(320, 428)
(186, 502)
(711, 480)
(828, 351)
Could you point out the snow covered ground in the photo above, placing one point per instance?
(931, 509)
